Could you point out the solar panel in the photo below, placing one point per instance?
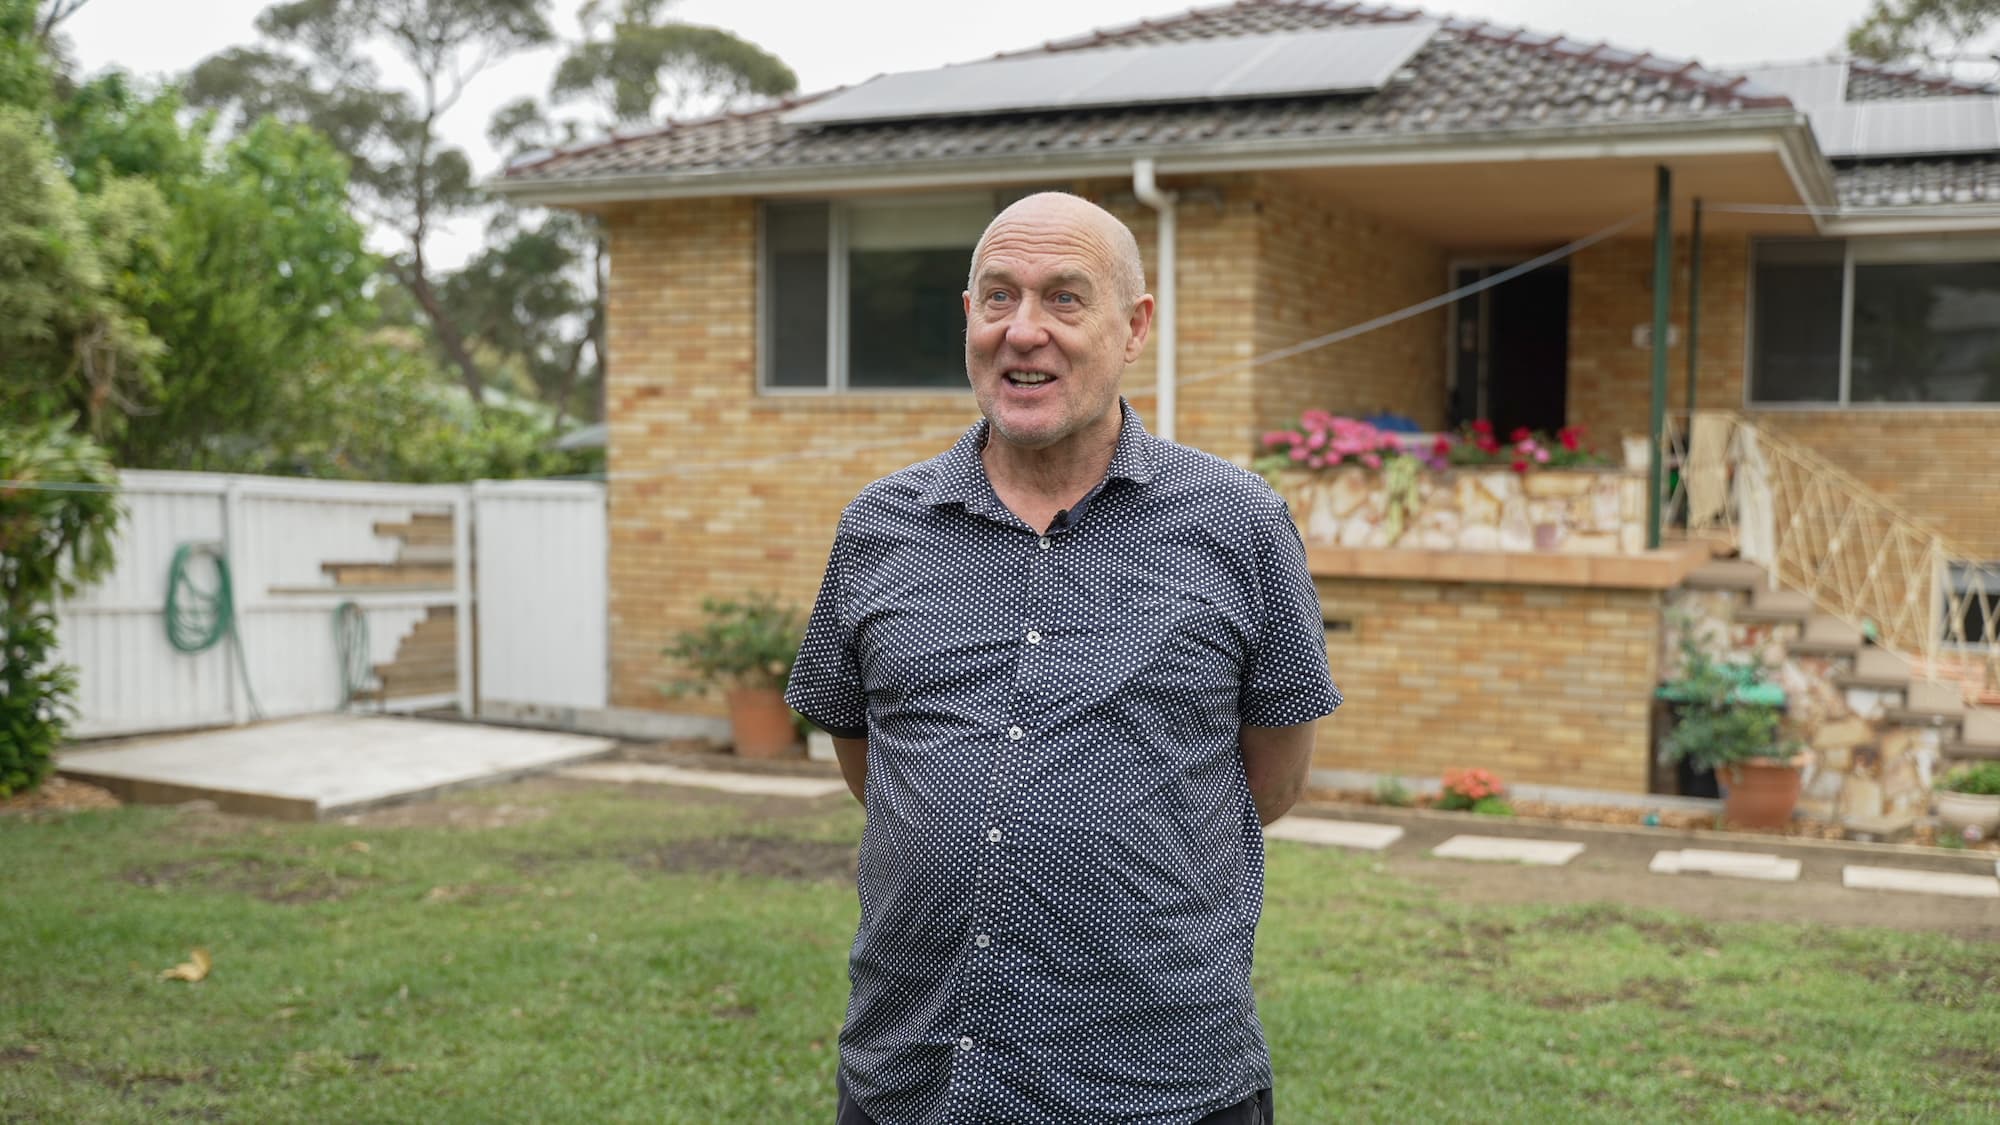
(1332, 61)
(1909, 127)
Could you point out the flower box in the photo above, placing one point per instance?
(1575, 511)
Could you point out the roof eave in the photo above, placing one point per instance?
(1782, 131)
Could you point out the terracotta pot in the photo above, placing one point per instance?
(1759, 793)
(760, 724)
(1961, 811)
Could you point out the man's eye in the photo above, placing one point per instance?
(997, 296)
(1065, 298)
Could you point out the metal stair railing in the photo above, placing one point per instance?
(1822, 532)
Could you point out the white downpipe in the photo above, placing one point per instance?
(1167, 350)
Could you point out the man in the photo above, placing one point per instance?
(1070, 669)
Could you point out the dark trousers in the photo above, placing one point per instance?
(1257, 1109)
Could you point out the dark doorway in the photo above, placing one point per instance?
(1511, 350)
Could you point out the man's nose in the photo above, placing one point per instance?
(1026, 328)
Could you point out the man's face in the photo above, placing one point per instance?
(1048, 331)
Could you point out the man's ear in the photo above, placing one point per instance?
(1139, 327)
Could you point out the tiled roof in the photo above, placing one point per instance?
(1471, 77)
(1867, 82)
(1915, 183)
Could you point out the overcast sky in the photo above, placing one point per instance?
(831, 44)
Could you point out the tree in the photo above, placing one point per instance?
(538, 292)
(1944, 33)
(633, 57)
(256, 275)
(318, 70)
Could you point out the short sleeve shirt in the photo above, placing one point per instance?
(1061, 870)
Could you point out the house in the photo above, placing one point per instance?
(784, 317)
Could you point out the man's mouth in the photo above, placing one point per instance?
(1028, 378)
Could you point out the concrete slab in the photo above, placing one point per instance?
(1334, 833)
(1918, 882)
(322, 765)
(760, 784)
(1732, 865)
(1501, 849)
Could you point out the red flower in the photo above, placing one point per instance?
(1520, 466)
(1520, 434)
(1482, 427)
(1441, 446)
(1571, 437)
(1487, 445)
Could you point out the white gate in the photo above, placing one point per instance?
(297, 551)
(540, 565)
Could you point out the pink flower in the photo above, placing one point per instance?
(1372, 460)
(1542, 455)
(1299, 453)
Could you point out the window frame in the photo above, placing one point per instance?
(838, 244)
(1863, 252)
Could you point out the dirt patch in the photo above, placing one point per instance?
(59, 795)
(448, 814)
(1979, 1060)
(764, 856)
(284, 884)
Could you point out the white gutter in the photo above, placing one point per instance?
(1166, 351)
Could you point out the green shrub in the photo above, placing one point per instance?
(1981, 779)
(53, 542)
(750, 643)
(1392, 792)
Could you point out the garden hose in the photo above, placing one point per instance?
(198, 619)
(350, 646)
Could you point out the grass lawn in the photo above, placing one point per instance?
(613, 961)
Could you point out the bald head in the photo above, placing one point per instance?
(1086, 221)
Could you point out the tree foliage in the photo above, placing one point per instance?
(318, 69)
(632, 57)
(53, 542)
(1943, 32)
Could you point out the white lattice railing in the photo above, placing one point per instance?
(1824, 533)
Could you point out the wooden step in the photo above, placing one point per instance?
(432, 575)
(1727, 574)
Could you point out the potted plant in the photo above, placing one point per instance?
(744, 649)
(1968, 799)
(1728, 721)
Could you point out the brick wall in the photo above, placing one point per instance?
(1546, 685)
(1940, 466)
(681, 389)
(1611, 293)
(1323, 266)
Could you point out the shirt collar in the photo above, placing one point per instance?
(958, 474)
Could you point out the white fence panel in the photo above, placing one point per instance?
(277, 533)
(544, 605)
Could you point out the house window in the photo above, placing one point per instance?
(864, 295)
(1972, 608)
(1876, 322)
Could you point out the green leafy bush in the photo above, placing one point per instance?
(1715, 724)
(1981, 779)
(53, 542)
(1392, 792)
(750, 643)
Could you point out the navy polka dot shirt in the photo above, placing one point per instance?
(1061, 870)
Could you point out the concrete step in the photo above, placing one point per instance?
(1982, 726)
(1969, 752)
(1919, 882)
(1824, 628)
(1783, 601)
(1733, 865)
(1501, 849)
(1727, 574)
(1881, 664)
(1936, 698)
(1334, 833)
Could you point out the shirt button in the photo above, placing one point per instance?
(1045, 542)
(1034, 638)
(982, 941)
(1016, 734)
(993, 835)
(965, 1044)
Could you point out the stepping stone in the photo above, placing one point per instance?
(1919, 882)
(1734, 865)
(1502, 849)
(757, 784)
(1334, 833)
